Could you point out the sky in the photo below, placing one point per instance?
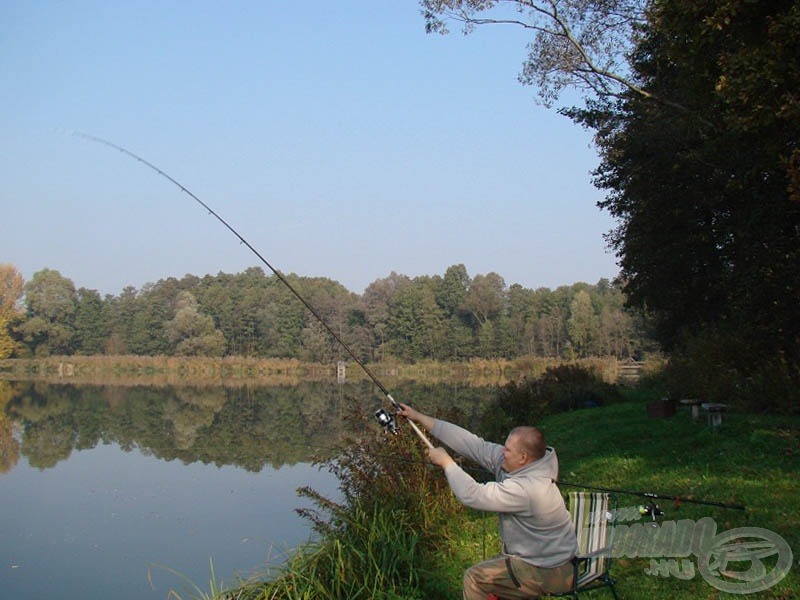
(338, 138)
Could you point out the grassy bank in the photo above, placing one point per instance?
(750, 460)
(404, 537)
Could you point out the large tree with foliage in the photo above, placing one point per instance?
(50, 302)
(11, 290)
(578, 44)
(415, 321)
(697, 119)
(707, 198)
(91, 333)
(191, 332)
(376, 301)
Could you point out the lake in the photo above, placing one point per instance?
(130, 492)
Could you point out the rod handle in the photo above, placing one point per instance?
(414, 426)
(421, 435)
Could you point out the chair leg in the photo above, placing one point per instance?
(611, 584)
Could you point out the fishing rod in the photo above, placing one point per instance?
(387, 420)
(652, 509)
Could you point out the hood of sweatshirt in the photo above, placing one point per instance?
(545, 467)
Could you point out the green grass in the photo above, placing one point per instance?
(410, 541)
(751, 460)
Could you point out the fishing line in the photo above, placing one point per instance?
(384, 418)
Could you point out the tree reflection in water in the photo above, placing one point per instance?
(96, 491)
(246, 426)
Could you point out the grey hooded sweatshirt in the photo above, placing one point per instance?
(534, 522)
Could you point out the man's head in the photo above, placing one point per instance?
(523, 445)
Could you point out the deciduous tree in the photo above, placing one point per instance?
(11, 290)
(581, 323)
(415, 322)
(193, 333)
(50, 301)
(709, 220)
(485, 298)
(579, 44)
(91, 334)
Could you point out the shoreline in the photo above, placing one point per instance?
(238, 370)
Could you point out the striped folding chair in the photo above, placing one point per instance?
(592, 518)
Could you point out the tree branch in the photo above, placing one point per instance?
(609, 26)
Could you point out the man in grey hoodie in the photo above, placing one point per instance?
(538, 538)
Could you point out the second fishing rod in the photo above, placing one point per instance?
(385, 418)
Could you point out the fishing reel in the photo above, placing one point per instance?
(386, 420)
(651, 509)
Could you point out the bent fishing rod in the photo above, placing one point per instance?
(386, 419)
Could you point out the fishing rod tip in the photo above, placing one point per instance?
(64, 131)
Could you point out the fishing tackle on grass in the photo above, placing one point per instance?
(387, 420)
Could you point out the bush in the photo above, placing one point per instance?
(559, 389)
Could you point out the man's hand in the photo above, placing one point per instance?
(416, 416)
(440, 457)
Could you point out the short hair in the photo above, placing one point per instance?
(531, 440)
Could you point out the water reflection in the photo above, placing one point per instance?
(103, 482)
(247, 427)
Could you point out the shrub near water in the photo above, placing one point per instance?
(559, 389)
(373, 544)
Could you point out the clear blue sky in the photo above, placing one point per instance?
(339, 138)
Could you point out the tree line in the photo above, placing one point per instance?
(696, 118)
(450, 317)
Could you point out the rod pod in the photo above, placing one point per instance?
(651, 508)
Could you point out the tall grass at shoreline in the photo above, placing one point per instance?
(376, 543)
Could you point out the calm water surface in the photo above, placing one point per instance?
(108, 523)
(131, 492)
(128, 494)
